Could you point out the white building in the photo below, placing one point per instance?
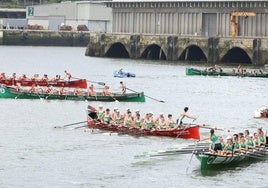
(94, 14)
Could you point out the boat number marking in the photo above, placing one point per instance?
(2, 90)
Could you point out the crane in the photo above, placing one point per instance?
(235, 14)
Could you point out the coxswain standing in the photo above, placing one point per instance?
(183, 115)
(67, 75)
(123, 88)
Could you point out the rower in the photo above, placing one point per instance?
(45, 77)
(77, 91)
(118, 119)
(62, 91)
(32, 89)
(137, 119)
(250, 142)
(228, 149)
(170, 123)
(148, 122)
(243, 144)
(160, 121)
(128, 120)
(106, 91)
(262, 136)
(107, 116)
(90, 91)
(100, 112)
(3, 76)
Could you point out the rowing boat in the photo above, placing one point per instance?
(9, 92)
(194, 71)
(188, 132)
(212, 161)
(81, 83)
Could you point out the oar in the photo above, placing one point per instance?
(80, 126)
(100, 83)
(67, 125)
(113, 97)
(194, 150)
(147, 96)
(204, 126)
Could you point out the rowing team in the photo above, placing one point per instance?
(62, 91)
(135, 120)
(35, 77)
(236, 144)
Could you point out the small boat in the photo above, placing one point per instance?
(9, 92)
(121, 74)
(212, 161)
(188, 132)
(81, 83)
(194, 71)
(261, 112)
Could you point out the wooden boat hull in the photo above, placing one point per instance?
(81, 83)
(193, 71)
(191, 132)
(211, 161)
(11, 93)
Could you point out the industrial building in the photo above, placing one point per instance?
(191, 18)
(94, 14)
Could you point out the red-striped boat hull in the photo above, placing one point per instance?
(81, 83)
(191, 132)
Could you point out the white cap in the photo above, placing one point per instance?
(137, 110)
(151, 112)
(115, 108)
(228, 137)
(100, 106)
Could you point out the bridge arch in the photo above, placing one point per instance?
(117, 50)
(153, 52)
(192, 53)
(236, 55)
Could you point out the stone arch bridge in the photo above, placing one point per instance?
(213, 50)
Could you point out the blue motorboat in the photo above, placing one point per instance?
(122, 74)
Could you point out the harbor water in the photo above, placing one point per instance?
(36, 154)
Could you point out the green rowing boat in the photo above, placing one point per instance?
(193, 71)
(212, 161)
(12, 93)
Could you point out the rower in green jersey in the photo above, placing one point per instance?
(148, 121)
(262, 136)
(183, 115)
(250, 142)
(229, 147)
(107, 116)
(100, 113)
